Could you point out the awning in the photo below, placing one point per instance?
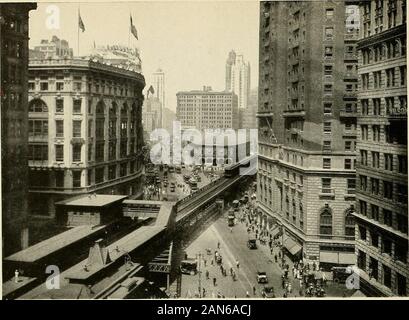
(347, 258)
(292, 246)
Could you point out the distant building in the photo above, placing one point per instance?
(119, 56)
(159, 88)
(248, 116)
(238, 78)
(169, 116)
(14, 115)
(207, 109)
(382, 169)
(151, 115)
(54, 48)
(85, 130)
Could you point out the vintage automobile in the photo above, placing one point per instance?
(268, 292)
(252, 244)
(262, 277)
(189, 266)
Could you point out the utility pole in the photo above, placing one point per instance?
(200, 274)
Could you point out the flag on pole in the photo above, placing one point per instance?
(151, 90)
(133, 30)
(80, 23)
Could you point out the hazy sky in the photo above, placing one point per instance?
(189, 40)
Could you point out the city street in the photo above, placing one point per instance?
(233, 246)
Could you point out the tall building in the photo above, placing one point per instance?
(14, 116)
(382, 195)
(238, 78)
(85, 130)
(307, 128)
(54, 48)
(248, 119)
(151, 114)
(159, 88)
(207, 109)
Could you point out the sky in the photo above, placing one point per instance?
(188, 40)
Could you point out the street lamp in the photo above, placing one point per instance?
(199, 272)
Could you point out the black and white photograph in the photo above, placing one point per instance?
(204, 150)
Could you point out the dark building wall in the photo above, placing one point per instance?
(14, 116)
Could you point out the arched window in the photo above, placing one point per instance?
(350, 222)
(37, 105)
(124, 110)
(100, 108)
(326, 222)
(113, 110)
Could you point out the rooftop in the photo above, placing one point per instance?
(92, 200)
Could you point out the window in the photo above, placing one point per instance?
(329, 33)
(327, 127)
(375, 186)
(112, 172)
(362, 233)
(376, 106)
(31, 86)
(326, 222)
(402, 193)
(37, 128)
(401, 251)
(326, 146)
(90, 152)
(76, 153)
(364, 132)
(327, 108)
(123, 169)
(364, 183)
(387, 189)
(76, 128)
(76, 179)
(387, 217)
(373, 267)
(326, 185)
(326, 163)
(374, 239)
(59, 125)
(348, 164)
(37, 105)
(329, 13)
(328, 70)
(59, 86)
(376, 133)
(59, 152)
(374, 212)
(351, 185)
(388, 161)
(363, 208)
(43, 86)
(401, 284)
(99, 151)
(402, 164)
(364, 157)
(348, 145)
(390, 77)
(77, 86)
(349, 225)
(37, 152)
(387, 276)
(361, 260)
(59, 105)
(328, 51)
(327, 88)
(99, 175)
(76, 106)
(386, 245)
(375, 159)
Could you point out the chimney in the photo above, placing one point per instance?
(98, 254)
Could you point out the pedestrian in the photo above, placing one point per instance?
(275, 258)
(211, 262)
(237, 264)
(214, 281)
(204, 292)
(218, 244)
(205, 262)
(254, 290)
(207, 274)
(247, 294)
(16, 274)
(231, 270)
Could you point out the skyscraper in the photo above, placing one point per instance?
(238, 78)
(14, 118)
(307, 128)
(159, 87)
(382, 194)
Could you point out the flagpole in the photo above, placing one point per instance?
(129, 33)
(78, 33)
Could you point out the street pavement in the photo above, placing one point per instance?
(233, 246)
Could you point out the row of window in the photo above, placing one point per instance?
(349, 164)
(395, 133)
(385, 189)
(381, 273)
(388, 78)
(391, 162)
